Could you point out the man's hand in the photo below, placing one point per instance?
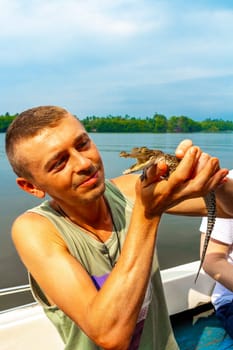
(184, 146)
(196, 175)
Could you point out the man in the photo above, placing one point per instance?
(219, 265)
(90, 248)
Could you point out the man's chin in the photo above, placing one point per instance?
(94, 192)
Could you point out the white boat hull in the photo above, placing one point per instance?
(28, 328)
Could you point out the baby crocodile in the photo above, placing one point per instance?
(146, 157)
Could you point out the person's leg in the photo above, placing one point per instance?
(225, 315)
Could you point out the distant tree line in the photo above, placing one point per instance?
(159, 123)
(5, 121)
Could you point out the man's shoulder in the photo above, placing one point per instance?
(31, 226)
(126, 184)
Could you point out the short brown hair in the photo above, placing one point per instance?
(26, 125)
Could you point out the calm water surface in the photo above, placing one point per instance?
(178, 240)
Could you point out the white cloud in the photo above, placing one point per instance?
(113, 48)
(41, 29)
(68, 17)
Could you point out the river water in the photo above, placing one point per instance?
(178, 240)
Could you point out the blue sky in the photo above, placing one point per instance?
(101, 57)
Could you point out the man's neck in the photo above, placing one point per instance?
(94, 217)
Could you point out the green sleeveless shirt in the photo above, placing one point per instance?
(153, 330)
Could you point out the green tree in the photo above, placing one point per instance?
(160, 123)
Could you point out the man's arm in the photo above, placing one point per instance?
(107, 316)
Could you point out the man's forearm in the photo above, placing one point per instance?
(118, 296)
(189, 207)
(197, 207)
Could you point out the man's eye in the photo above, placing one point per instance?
(59, 163)
(83, 144)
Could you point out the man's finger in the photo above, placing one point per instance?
(186, 167)
(183, 147)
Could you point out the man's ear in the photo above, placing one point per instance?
(27, 186)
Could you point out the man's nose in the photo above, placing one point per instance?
(80, 161)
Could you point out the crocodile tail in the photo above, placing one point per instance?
(210, 202)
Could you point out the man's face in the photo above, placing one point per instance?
(64, 162)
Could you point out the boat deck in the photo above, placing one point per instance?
(199, 329)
